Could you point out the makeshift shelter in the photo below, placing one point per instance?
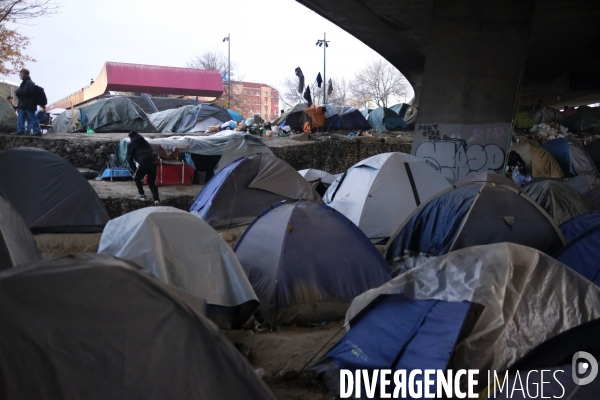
(477, 308)
(378, 193)
(117, 114)
(586, 120)
(227, 145)
(332, 119)
(248, 186)
(582, 254)
(168, 121)
(93, 326)
(575, 227)
(314, 119)
(17, 245)
(554, 358)
(200, 117)
(559, 200)
(410, 116)
(8, 117)
(180, 249)
(593, 149)
(524, 118)
(235, 116)
(351, 119)
(538, 161)
(571, 157)
(547, 115)
(400, 109)
(64, 122)
(294, 118)
(320, 180)
(593, 195)
(365, 112)
(384, 119)
(306, 262)
(49, 193)
(583, 183)
(472, 214)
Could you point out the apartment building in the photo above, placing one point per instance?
(255, 98)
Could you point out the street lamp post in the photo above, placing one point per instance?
(320, 43)
(228, 39)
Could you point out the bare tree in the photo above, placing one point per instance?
(215, 61)
(341, 95)
(19, 11)
(378, 84)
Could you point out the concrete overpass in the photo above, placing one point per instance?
(471, 62)
(562, 63)
(122, 77)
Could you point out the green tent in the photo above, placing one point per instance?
(524, 118)
(8, 117)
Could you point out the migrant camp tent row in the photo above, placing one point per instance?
(120, 114)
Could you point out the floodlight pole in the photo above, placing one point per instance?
(325, 43)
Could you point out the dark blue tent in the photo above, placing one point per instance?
(583, 255)
(474, 214)
(306, 262)
(384, 119)
(575, 227)
(293, 117)
(571, 157)
(393, 331)
(352, 119)
(246, 187)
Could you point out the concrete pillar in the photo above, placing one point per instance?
(474, 64)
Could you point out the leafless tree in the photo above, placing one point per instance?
(215, 61)
(341, 95)
(21, 11)
(379, 84)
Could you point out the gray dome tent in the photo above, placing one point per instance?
(378, 193)
(472, 214)
(320, 180)
(307, 261)
(180, 249)
(17, 245)
(248, 186)
(49, 193)
(559, 200)
(8, 117)
(92, 326)
(200, 117)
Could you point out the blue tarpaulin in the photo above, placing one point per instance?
(236, 116)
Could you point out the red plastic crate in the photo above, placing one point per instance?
(172, 173)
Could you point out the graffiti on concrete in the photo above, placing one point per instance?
(455, 160)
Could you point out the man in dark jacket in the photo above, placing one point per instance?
(25, 94)
(139, 150)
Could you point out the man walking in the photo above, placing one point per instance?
(139, 150)
(26, 95)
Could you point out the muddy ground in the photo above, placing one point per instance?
(284, 352)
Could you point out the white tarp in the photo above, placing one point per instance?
(229, 144)
(377, 194)
(180, 249)
(528, 296)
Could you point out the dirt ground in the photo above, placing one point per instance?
(288, 349)
(128, 190)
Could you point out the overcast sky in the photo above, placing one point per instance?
(269, 39)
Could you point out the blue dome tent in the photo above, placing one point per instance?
(571, 157)
(306, 262)
(575, 227)
(582, 255)
(246, 187)
(384, 119)
(352, 119)
(472, 214)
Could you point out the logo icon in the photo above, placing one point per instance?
(581, 368)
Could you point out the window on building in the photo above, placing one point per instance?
(266, 93)
(266, 103)
(237, 91)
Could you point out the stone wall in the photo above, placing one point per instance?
(80, 152)
(117, 206)
(336, 155)
(331, 153)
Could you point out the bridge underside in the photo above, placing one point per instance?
(562, 64)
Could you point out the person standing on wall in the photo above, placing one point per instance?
(26, 93)
(139, 150)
